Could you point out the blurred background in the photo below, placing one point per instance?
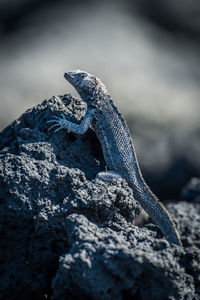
(145, 51)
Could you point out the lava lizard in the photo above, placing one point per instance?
(117, 146)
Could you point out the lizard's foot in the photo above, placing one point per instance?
(60, 123)
(108, 176)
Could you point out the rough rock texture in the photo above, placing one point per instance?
(66, 235)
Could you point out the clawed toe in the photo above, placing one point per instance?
(51, 127)
(57, 119)
(51, 121)
(59, 122)
(58, 128)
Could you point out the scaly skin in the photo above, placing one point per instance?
(117, 146)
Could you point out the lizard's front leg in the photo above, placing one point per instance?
(62, 123)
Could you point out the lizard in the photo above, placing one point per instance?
(117, 145)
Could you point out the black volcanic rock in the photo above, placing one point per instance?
(191, 192)
(67, 235)
(188, 216)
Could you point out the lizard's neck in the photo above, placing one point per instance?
(100, 95)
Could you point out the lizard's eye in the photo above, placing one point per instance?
(83, 75)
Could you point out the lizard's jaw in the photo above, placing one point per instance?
(82, 82)
(69, 76)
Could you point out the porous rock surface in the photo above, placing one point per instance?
(67, 235)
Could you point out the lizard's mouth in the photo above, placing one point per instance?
(69, 77)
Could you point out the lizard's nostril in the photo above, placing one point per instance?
(68, 76)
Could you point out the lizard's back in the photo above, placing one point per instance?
(115, 138)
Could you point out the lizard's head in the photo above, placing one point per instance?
(85, 84)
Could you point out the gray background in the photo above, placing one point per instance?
(147, 54)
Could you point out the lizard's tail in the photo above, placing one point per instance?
(158, 213)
